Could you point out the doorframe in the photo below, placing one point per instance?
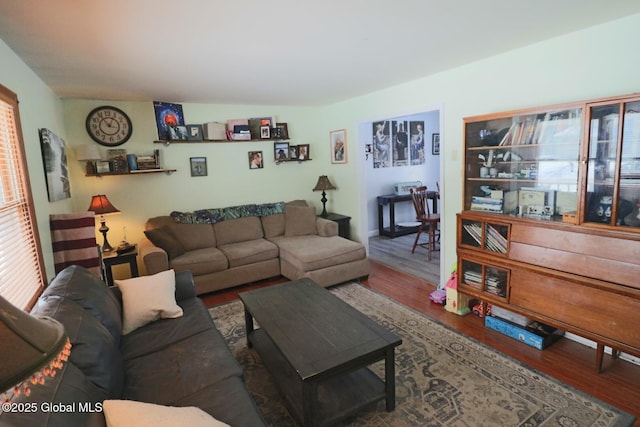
(362, 139)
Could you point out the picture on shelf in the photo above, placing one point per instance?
(56, 169)
(281, 151)
(255, 160)
(293, 151)
(198, 166)
(103, 167)
(281, 131)
(265, 132)
(178, 133)
(338, 141)
(303, 152)
(194, 133)
(167, 114)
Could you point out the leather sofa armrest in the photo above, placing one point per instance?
(185, 287)
(326, 227)
(155, 259)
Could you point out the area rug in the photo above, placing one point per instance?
(443, 378)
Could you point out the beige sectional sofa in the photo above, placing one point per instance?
(287, 239)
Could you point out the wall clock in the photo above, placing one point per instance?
(109, 126)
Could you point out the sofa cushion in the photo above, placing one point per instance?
(94, 350)
(163, 238)
(300, 220)
(201, 261)
(163, 332)
(249, 252)
(308, 253)
(273, 225)
(194, 236)
(124, 413)
(236, 409)
(180, 368)
(82, 287)
(238, 230)
(148, 298)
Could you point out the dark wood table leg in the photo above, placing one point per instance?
(392, 219)
(390, 379)
(309, 403)
(380, 219)
(248, 324)
(133, 265)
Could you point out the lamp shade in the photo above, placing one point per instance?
(87, 152)
(323, 184)
(101, 205)
(29, 344)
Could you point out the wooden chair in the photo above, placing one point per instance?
(428, 222)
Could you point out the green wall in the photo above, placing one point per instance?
(597, 62)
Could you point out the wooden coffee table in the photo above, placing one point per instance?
(318, 349)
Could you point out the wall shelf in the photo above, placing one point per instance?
(167, 143)
(138, 172)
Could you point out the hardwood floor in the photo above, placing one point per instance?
(565, 360)
(396, 253)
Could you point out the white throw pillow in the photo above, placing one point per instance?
(148, 298)
(127, 413)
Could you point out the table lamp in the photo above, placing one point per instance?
(324, 184)
(88, 153)
(33, 348)
(102, 206)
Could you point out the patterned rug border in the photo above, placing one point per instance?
(625, 419)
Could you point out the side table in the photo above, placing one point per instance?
(344, 226)
(113, 258)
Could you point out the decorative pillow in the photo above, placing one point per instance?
(148, 298)
(125, 413)
(163, 238)
(300, 220)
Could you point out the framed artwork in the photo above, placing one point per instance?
(435, 144)
(167, 114)
(338, 141)
(103, 167)
(265, 132)
(198, 166)
(56, 169)
(178, 133)
(293, 151)
(194, 133)
(281, 151)
(280, 131)
(303, 152)
(255, 160)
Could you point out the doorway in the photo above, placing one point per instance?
(386, 166)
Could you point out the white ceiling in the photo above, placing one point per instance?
(289, 52)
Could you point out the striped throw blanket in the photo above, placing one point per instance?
(73, 237)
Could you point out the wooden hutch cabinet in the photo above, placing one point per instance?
(551, 222)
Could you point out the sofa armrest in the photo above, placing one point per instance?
(185, 287)
(326, 227)
(155, 259)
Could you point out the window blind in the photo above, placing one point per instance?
(21, 267)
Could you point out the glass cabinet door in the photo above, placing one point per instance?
(613, 167)
(525, 165)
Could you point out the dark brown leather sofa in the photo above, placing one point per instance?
(175, 362)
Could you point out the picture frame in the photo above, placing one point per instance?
(198, 166)
(265, 132)
(338, 144)
(281, 151)
(167, 114)
(303, 152)
(435, 144)
(293, 151)
(280, 131)
(178, 133)
(103, 167)
(194, 133)
(256, 160)
(56, 169)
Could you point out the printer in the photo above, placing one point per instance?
(404, 188)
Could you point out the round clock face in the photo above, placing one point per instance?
(109, 126)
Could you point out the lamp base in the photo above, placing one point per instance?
(106, 247)
(324, 213)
